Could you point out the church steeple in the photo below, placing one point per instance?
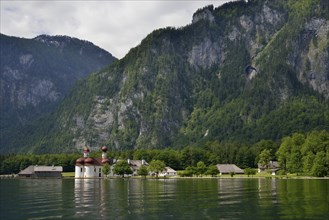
(104, 155)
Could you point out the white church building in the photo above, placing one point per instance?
(89, 167)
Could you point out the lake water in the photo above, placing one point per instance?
(217, 198)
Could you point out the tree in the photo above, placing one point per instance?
(212, 170)
(122, 168)
(190, 171)
(294, 162)
(284, 152)
(265, 157)
(320, 167)
(201, 168)
(308, 161)
(106, 169)
(249, 171)
(142, 171)
(156, 166)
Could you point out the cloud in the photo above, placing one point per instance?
(116, 26)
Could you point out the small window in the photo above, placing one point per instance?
(95, 170)
(100, 169)
(81, 169)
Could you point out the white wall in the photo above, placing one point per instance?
(88, 171)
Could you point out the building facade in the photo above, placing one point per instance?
(41, 172)
(89, 167)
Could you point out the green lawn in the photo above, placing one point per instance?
(68, 174)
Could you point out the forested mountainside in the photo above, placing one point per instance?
(240, 73)
(37, 73)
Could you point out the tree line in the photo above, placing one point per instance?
(299, 153)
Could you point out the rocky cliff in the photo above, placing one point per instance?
(242, 72)
(37, 73)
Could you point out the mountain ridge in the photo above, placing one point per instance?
(229, 76)
(37, 73)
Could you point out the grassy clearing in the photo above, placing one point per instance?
(68, 174)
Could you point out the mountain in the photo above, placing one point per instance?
(242, 72)
(37, 73)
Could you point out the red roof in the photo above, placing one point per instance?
(90, 161)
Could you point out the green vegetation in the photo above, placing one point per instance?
(156, 166)
(212, 170)
(305, 154)
(106, 169)
(68, 174)
(265, 157)
(15, 163)
(122, 168)
(54, 64)
(302, 154)
(143, 171)
(250, 171)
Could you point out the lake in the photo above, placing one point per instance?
(212, 198)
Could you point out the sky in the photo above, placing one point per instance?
(116, 26)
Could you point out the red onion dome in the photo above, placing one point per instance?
(104, 149)
(81, 160)
(86, 150)
(105, 160)
(89, 160)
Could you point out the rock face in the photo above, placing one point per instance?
(204, 14)
(310, 55)
(37, 73)
(242, 72)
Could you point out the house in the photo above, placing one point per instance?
(41, 172)
(168, 171)
(229, 168)
(89, 167)
(135, 165)
(273, 167)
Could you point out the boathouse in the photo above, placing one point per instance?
(41, 172)
(229, 168)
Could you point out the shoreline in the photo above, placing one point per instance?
(69, 175)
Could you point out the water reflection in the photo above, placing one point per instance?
(216, 198)
(229, 190)
(89, 197)
(31, 199)
(267, 191)
(199, 198)
(304, 198)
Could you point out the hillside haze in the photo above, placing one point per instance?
(37, 73)
(242, 72)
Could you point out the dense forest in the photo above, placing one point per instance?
(306, 154)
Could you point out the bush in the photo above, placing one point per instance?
(250, 171)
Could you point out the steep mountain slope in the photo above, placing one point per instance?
(37, 73)
(242, 72)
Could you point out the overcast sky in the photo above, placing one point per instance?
(113, 25)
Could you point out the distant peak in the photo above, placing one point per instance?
(204, 14)
(48, 38)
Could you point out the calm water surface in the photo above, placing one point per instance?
(230, 198)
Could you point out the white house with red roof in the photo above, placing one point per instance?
(89, 167)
